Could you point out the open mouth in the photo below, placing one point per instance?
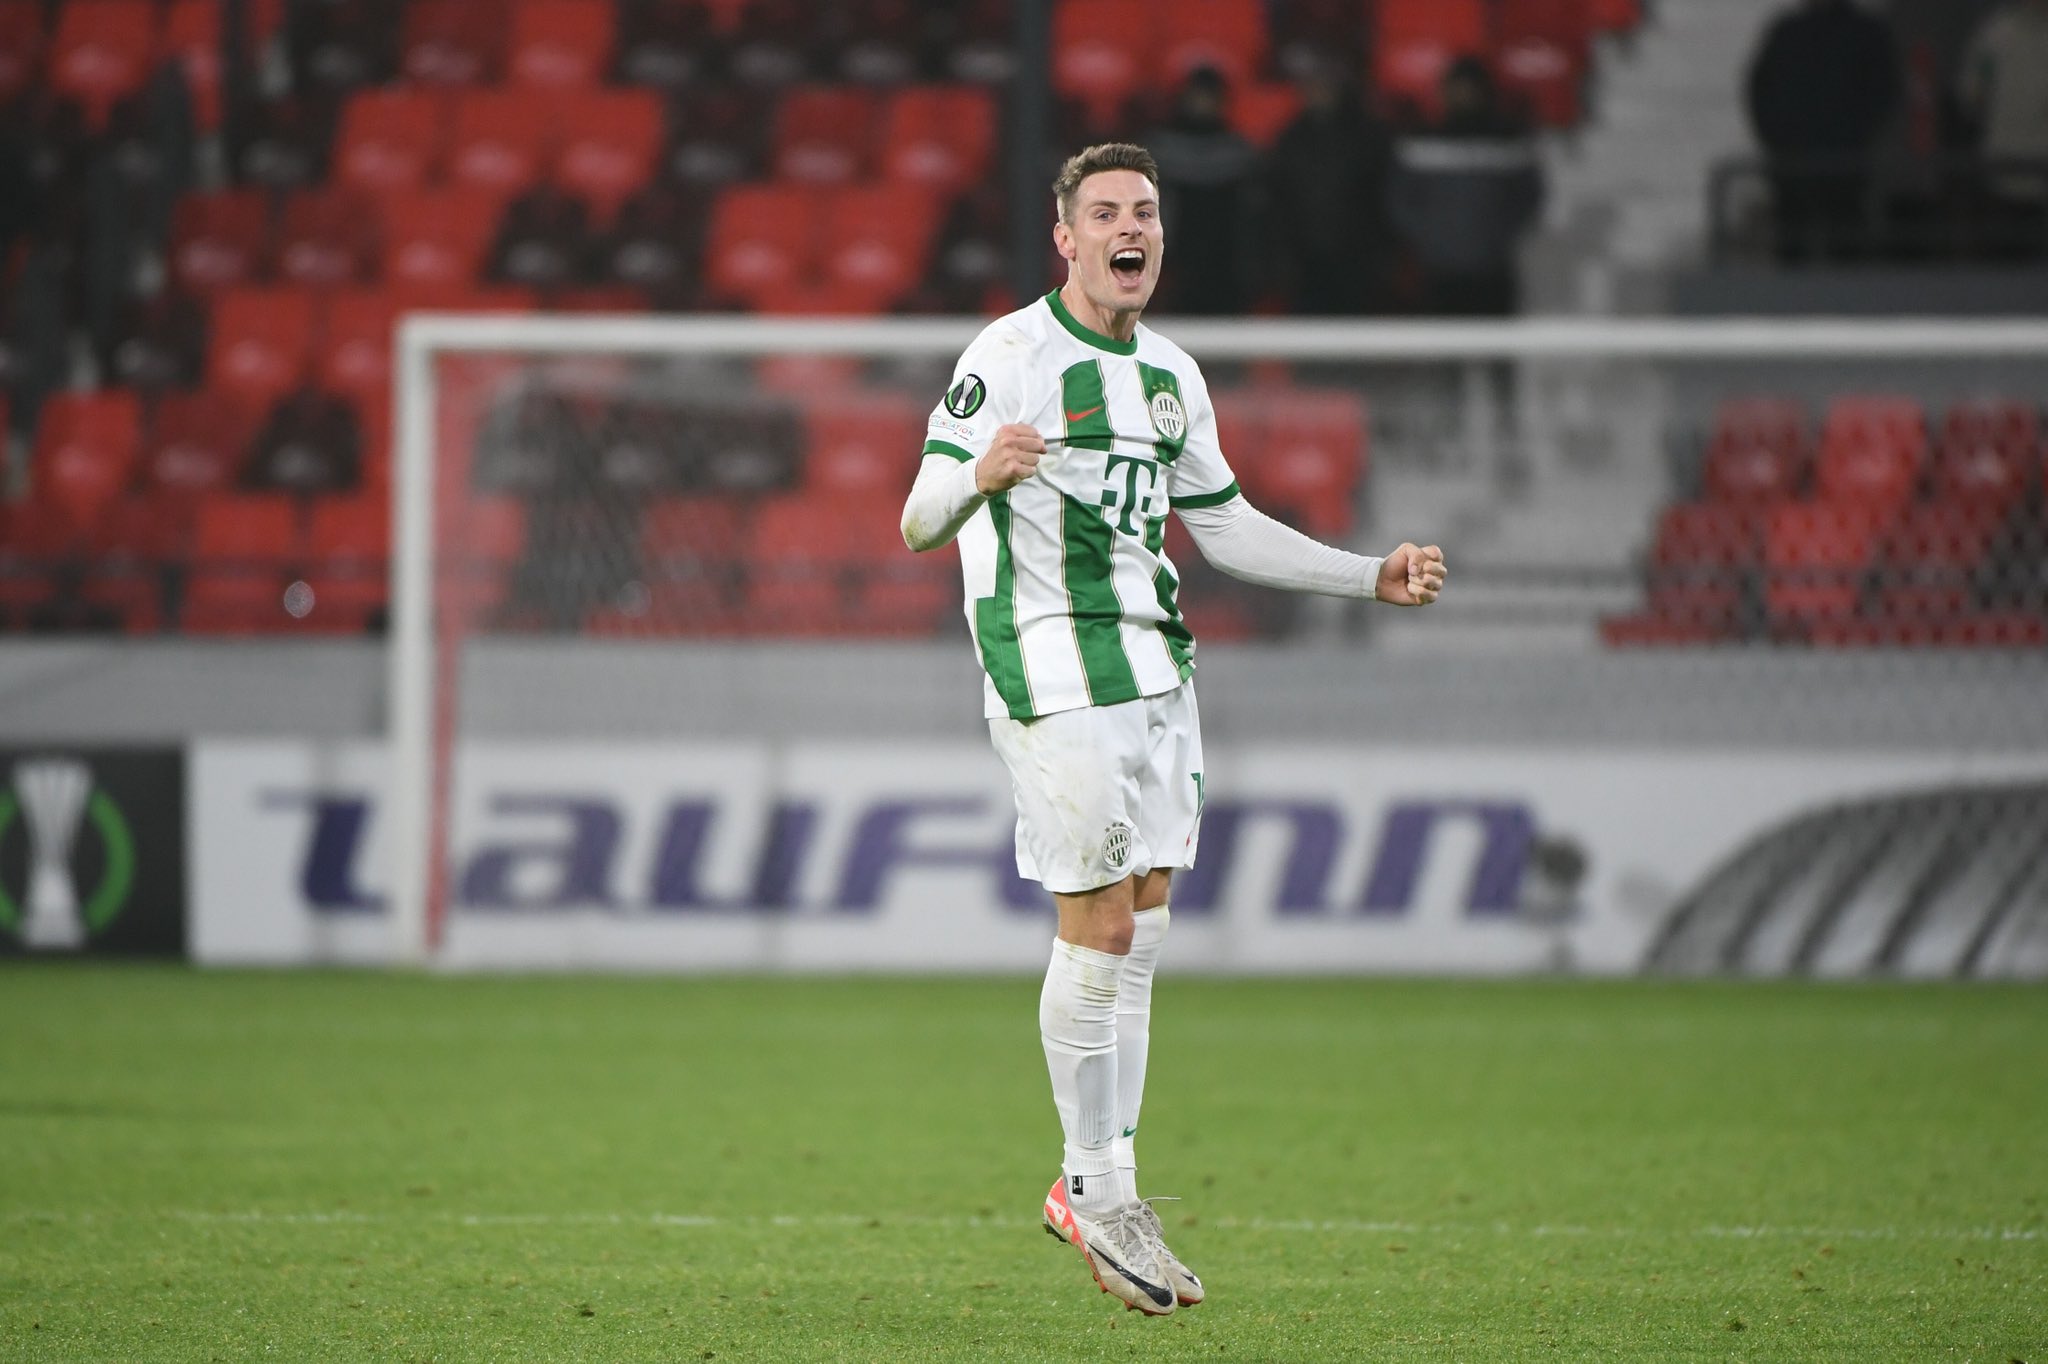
(1127, 264)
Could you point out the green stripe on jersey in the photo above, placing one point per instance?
(1200, 500)
(1089, 557)
(1086, 407)
(1158, 381)
(948, 449)
(1180, 641)
(995, 621)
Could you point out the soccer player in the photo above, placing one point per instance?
(1068, 433)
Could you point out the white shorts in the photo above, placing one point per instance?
(1105, 792)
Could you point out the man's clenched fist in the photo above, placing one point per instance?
(1011, 458)
(1411, 576)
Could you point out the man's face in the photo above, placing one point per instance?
(1113, 243)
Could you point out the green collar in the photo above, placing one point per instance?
(1088, 334)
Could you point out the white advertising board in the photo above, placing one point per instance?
(871, 857)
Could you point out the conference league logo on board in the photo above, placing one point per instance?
(92, 852)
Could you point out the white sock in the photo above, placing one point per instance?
(1077, 1019)
(1134, 1040)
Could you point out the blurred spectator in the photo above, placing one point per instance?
(1326, 187)
(1821, 87)
(1462, 194)
(2004, 80)
(311, 444)
(542, 239)
(1208, 192)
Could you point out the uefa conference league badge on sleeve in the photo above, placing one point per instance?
(965, 398)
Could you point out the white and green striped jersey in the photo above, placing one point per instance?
(1069, 592)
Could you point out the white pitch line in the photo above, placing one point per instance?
(1341, 1226)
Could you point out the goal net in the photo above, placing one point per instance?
(1742, 666)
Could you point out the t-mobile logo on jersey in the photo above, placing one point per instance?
(1121, 498)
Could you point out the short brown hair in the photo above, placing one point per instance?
(1105, 156)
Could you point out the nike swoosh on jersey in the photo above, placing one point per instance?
(1083, 416)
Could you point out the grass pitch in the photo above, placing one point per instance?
(314, 1167)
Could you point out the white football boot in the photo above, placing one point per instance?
(1117, 1251)
(1186, 1287)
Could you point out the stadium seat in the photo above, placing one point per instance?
(355, 358)
(1414, 41)
(910, 595)
(1988, 453)
(1758, 451)
(607, 146)
(197, 444)
(663, 43)
(690, 550)
(348, 553)
(437, 237)
(762, 237)
(285, 142)
(308, 445)
(158, 342)
(100, 54)
(343, 44)
(244, 548)
(483, 539)
(806, 555)
(939, 135)
(1312, 457)
(879, 243)
(1934, 559)
(1616, 16)
(1103, 52)
(191, 36)
(1872, 450)
(862, 443)
(500, 139)
(825, 134)
(1700, 567)
(653, 245)
(1541, 52)
(1261, 111)
(1227, 35)
(21, 49)
(452, 42)
(718, 134)
(262, 341)
(86, 449)
(328, 237)
(391, 139)
(1817, 556)
(560, 42)
(219, 240)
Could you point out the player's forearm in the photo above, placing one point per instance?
(1246, 543)
(941, 500)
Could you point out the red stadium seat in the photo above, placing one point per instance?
(262, 341)
(1933, 558)
(1700, 566)
(938, 135)
(1816, 557)
(1311, 460)
(1414, 41)
(880, 241)
(1616, 16)
(762, 237)
(1542, 50)
(356, 357)
(1988, 453)
(1103, 51)
(910, 595)
(21, 48)
(1262, 110)
(805, 556)
(191, 37)
(391, 139)
(101, 53)
(328, 237)
(452, 42)
(348, 553)
(86, 450)
(219, 240)
(483, 540)
(244, 548)
(437, 238)
(690, 551)
(1228, 35)
(500, 139)
(864, 443)
(1872, 450)
(197, 444)
(560, 42)
(607, 145)
(1758, 451)
(824, 134)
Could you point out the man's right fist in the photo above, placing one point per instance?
(1011, 458)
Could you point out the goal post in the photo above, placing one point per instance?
(1505, 440)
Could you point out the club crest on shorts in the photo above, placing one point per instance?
(1168, 417)
(964, 399)
(1116, 846)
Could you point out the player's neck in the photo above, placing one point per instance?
(1117, 326)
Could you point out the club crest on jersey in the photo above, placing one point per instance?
(1116, 846)
(964, 399)
(1168, 417)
